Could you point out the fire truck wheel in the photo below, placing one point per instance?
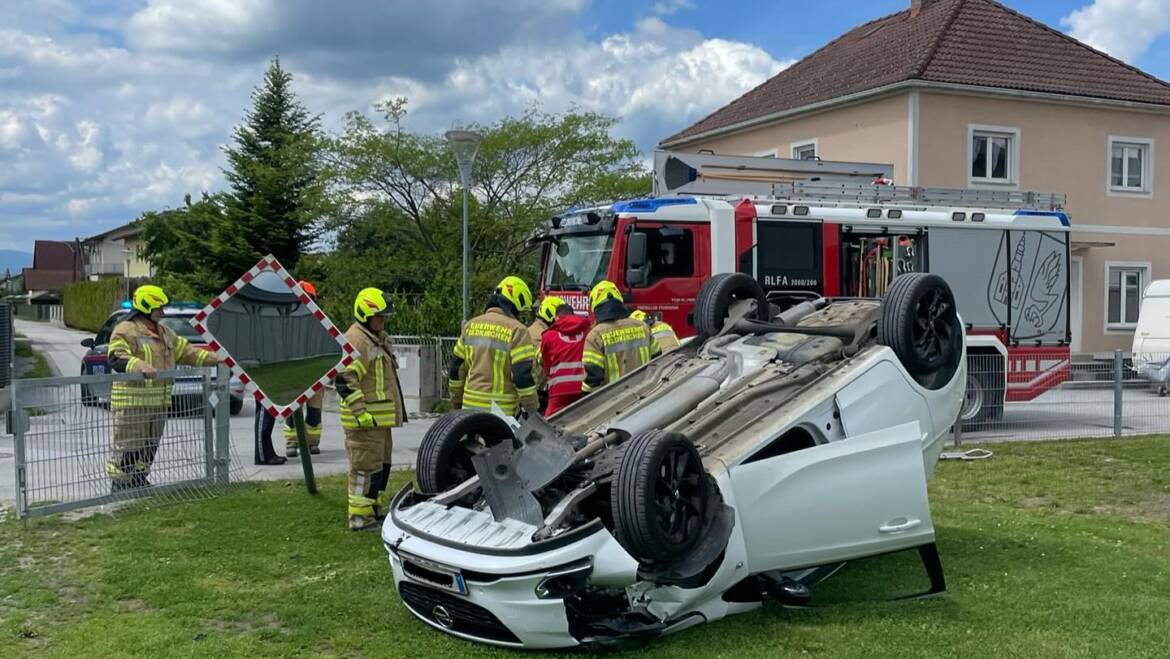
(660, 496)
(717, 295)
(920, 323)
(444, 457)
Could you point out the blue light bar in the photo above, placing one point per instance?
(651, 205)
(1061, 215)
(126, 304)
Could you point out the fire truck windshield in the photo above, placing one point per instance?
(577, 262)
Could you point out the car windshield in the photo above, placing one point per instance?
(578, 262)
(182, 326)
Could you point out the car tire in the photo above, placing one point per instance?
(716, 296)
(87, 397)
(651, 529)
(443, 460)
(920, 323)
(235, 406)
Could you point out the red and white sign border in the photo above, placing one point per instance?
(270, 263)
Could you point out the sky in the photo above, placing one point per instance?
(109, 108)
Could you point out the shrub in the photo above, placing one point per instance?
(87, 304)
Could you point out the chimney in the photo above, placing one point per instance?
(916, 6)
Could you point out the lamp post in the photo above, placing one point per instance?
(464, 144)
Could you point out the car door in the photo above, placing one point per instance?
(847, 499)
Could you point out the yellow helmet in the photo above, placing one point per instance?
(548, 308)
(148, 298)
(638, 314)
(514, 290)
(604, 290)
(371, 302)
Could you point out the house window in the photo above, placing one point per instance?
(1131, 163)
(804, 150)
(1124, 284)
(993, 154)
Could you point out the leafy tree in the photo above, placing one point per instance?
(398, 213)
(273, 205)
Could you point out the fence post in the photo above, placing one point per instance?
(208, 426)
(223, 426)
(16, 423)
(1117, 393)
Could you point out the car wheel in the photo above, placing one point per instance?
(660, 496)
(920, 323)
(87, 397)
(235, 406)
(444, 457)
(717, 295)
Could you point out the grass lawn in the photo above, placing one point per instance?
(1051, 549)
(30, 363)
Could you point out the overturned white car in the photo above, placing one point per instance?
(789, 437)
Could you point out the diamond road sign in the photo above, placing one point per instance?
(267, 329)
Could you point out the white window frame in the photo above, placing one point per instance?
(800, 144)
(1147, 189)
(1147, 276)
(1013, 160)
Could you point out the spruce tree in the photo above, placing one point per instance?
(276, 186)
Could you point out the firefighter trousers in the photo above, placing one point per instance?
(368, 451)
(137, 433)
(312, 428)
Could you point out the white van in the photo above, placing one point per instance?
(1151, 340)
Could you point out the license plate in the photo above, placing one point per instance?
(433, 574)
(97, 369)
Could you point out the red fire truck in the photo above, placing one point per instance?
(827, 229)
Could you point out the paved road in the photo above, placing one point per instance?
(63, 349)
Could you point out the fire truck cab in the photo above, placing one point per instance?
(1004, 254)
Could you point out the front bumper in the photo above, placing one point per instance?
(490, 594)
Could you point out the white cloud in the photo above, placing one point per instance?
(98, 126)
(1123, 28)
(670, 7)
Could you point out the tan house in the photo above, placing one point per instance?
(118, 252)
(969, 93)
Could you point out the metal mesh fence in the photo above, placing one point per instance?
(1042, 396)
(73, 451)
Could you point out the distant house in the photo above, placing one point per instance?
(117, 252)
(969, 93)
(55, 263)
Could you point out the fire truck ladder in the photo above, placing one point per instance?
(853, 195)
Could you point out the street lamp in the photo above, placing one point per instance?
(464, 143)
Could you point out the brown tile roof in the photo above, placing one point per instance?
(54, 265)
(968, 42)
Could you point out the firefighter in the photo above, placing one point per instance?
(663, 333)
(369, 403)
(140, 344)
(545, 315)
(617, 344)
(494, 360)
(312, 408)
(560, 352)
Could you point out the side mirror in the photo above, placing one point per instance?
(87, 343)
(637, 274)
(636, 250)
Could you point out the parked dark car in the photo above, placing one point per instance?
(178, 318)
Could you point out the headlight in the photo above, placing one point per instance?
(565, 582)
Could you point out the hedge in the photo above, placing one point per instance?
(87, 304)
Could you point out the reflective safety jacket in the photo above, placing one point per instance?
(494, 361)
(370, 382)
(535, 331)
(615, 346)
(665, 336)
(137, 342)
(561, 348)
